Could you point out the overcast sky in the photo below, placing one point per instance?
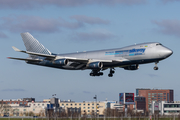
(65, 26)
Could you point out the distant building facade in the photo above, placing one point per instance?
(86, 107)
(155, 95)
(14, 101)
(140, 103)
(166, 108)
(31, 109)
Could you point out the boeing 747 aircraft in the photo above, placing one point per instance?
(128, 57)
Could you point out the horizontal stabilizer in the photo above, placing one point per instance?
(33, 53)
(32, 60)
(16, 49)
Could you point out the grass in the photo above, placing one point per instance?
(88, 119)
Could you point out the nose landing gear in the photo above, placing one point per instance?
(156, 67)
(111, 72)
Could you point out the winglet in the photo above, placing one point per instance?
(16, 49)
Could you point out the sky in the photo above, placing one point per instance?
(65, 26)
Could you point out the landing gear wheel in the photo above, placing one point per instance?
(100, 73)
(110, 75)
(155, 68)
(91, 74)
(95, 73)
(111, 72)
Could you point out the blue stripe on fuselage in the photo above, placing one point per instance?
(131, 52)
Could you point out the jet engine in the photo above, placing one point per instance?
(95, 65)
(61, 62)
(132, 67)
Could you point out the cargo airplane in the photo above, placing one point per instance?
(129, 57)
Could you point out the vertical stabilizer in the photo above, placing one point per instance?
(33, 45)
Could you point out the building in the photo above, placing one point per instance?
(166, 108)
(155, 95)
(85, 106)
(20, 102)
(140, 103)
(31, 109)
(29, 99)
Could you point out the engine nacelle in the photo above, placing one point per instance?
(132, 67)
(60, 62)
(95, 65)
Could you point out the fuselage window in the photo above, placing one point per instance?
(158, 44)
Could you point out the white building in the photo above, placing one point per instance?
(166, 108)
(37, 108)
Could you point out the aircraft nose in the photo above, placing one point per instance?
(167, 52)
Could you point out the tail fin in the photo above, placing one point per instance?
(33, 45)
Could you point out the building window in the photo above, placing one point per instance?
(8, 103)
(66, 104)
(20, 102)
(38, 104)
(24, 109)
(62, 104)
(12, 103)
(71, 104)
(84, 104)
(88, 107)
(88, 104)
(75, 104)
(84, 107)
(79, 104)
(42, 104)
(93, 104)
(24, 102)
(88, 110)
(97, 110)
(97, 104)
(92, 107)
(33, 109)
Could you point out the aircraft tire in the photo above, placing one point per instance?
(155, 68)
(91, 74)
(110, 75)
(101, 73)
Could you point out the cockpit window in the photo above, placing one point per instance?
(158, 44)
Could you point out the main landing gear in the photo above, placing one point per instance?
(111, 72)
(96, 73)
(156, 67)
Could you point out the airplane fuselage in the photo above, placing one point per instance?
(134, 54)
